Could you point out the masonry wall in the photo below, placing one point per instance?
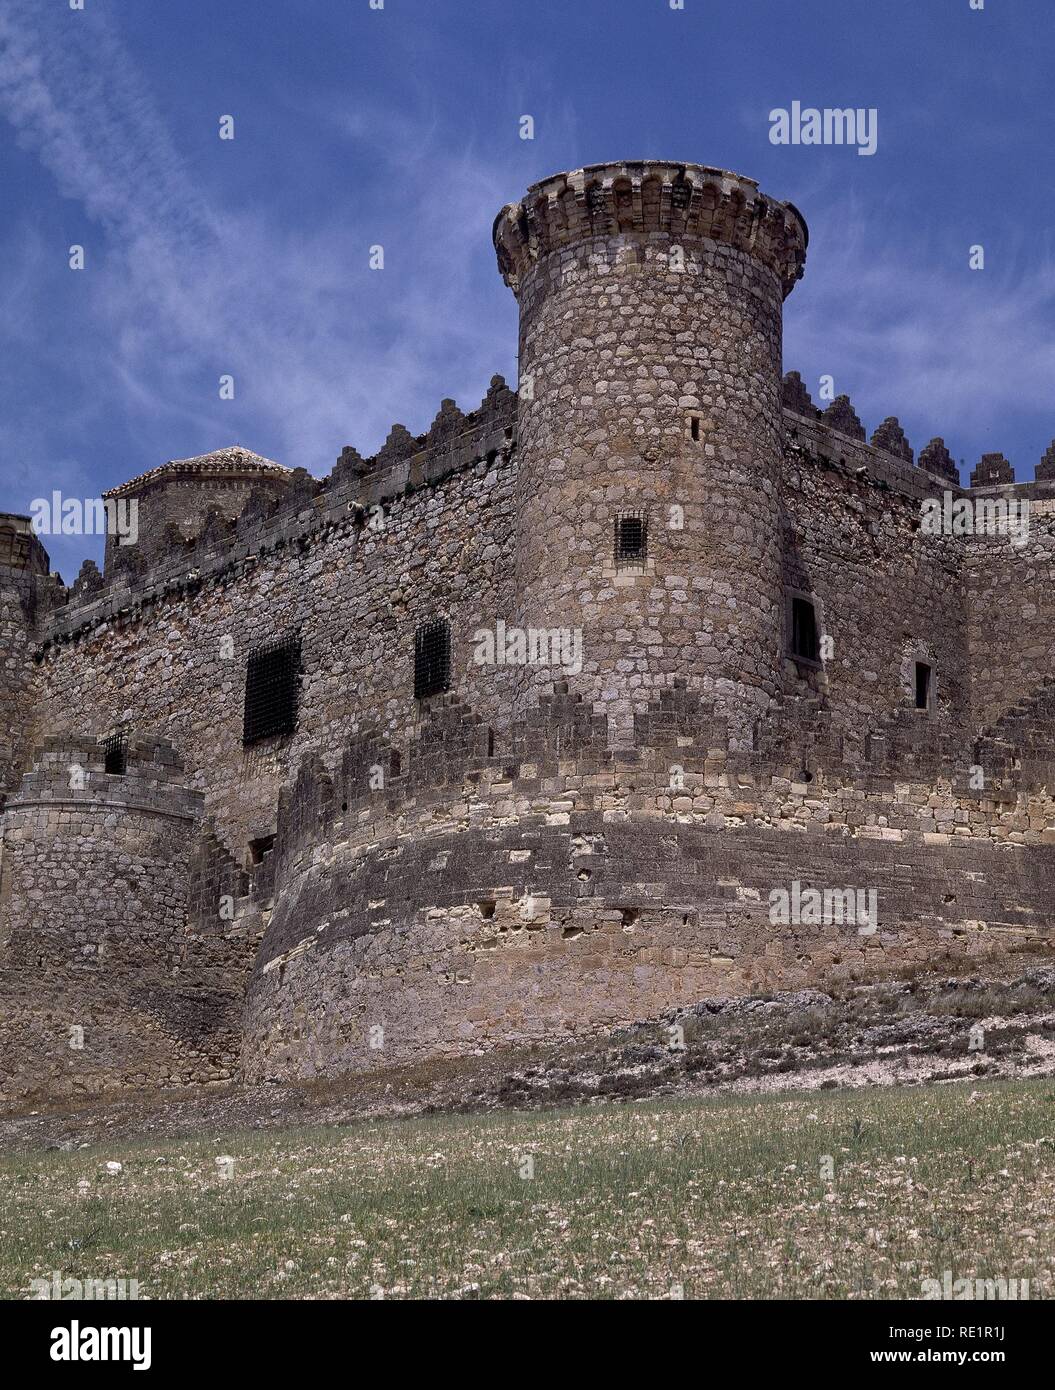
(26, 592)
(353, 584)
(103, 982)
(1011, 601)
(554, 888)
(889, 594)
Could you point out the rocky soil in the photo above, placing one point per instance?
(901, 1032)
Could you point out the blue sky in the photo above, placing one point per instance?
(355, 127)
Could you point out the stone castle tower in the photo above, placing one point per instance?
(331, 821)
(650, 336)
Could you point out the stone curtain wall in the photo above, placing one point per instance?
(174, 662)
(1011, 601)
(888, 594)
(553, 888)
(102, 985)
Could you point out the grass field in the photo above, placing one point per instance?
(716, 1198)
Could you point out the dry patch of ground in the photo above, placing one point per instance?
(900, 1032)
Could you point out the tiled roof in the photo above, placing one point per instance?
(236, 461)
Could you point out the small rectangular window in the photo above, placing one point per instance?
(432, 658)
(922, 685)
(115, 754)
(260, 847)
(805, 641)
(694, 427)
(631, 540)
(272, 682)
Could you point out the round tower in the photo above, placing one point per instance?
(24, 594)
(96, 990)
(649, 432)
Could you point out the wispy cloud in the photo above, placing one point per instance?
(907, 329)
(189, 289)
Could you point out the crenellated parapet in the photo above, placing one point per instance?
(306, 507)
(891, 437)
(992, 469)
(454, 439)
(796, 396)
(935, 458)
(1046, 466)
(683, 202)
(841, 416)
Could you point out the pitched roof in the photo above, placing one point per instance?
(233, 461)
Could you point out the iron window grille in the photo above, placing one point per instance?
(432, 658)
(272, 687)
(115, 754)
(631, 540)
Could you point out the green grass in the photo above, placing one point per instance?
(723, 1197)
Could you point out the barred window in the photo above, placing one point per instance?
(631, 539)
(272, 681)
(432, 658)
(115, 754)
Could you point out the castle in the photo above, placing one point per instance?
(512, 731)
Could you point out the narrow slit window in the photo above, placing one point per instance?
(631, 540)
(115, 754)
(432, 658)
(805, 640)
(272, 681)
(922, 685)
(694, 427)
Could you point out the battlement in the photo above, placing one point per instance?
(302, 507)
(840, 422)
(20, 549)
(71, 770)
(559, 757)
(686, 202)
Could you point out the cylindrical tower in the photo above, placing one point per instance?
(96, 987)
(24, 586)
(650, 431)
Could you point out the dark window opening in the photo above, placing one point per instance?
(922, 685)
(805, 640)
(115, 754)
(259, 847)
(432, 658)
(631, 539)
(395, 763)
(272, 681)
(694, 426)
